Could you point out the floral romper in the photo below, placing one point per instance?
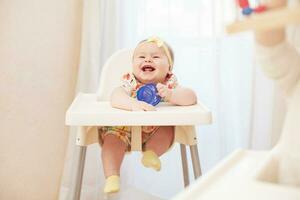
(131, 86)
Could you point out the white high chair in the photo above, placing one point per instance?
(91, 110)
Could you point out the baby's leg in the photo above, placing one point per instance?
(113, 151)
(158, 144)
(161, 140)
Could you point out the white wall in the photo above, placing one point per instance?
(39, 56)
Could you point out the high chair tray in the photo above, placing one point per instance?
(85, 110)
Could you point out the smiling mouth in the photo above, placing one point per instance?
(148, 68)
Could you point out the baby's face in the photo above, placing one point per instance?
(150, 63)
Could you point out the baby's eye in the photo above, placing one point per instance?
(141, 56)
(156, 57)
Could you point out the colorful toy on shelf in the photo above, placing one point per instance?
(247, 10)
(148, 94)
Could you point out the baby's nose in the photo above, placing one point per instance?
(148, 59)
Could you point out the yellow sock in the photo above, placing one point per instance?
(150, 159)
(112, 184)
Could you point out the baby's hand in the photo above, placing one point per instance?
(164, 91)
(142, 106)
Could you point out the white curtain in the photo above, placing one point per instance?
(220, 68)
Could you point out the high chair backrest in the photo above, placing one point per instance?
(116, 65)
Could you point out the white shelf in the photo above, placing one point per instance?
(234, 179)
(266, 20)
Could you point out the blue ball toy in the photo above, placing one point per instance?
(148, 94)
(247, 11)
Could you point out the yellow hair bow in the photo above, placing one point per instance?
(156, 40)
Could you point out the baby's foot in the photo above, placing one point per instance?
(112, 184)
(150, 159)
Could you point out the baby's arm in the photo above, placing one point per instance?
(278, 58)
(281, 63)
(179, 96)
(272, 37)
(120, 99)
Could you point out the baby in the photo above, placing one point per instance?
(152, 63)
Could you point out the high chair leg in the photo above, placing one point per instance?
(195, 161)
(74, 193)
(185, 168)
